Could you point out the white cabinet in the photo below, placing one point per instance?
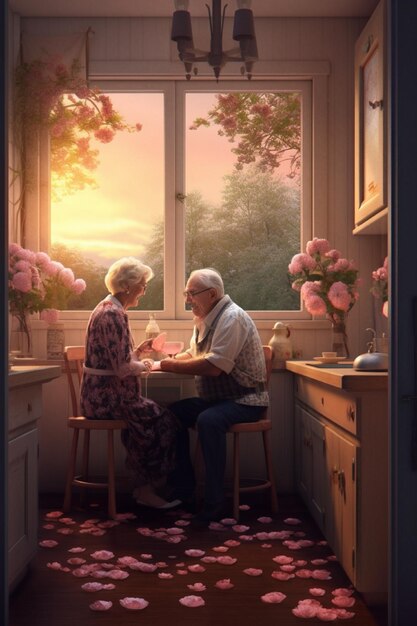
(25, 409)
(341, 448)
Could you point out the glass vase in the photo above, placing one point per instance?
(340, 339)
(21, 337)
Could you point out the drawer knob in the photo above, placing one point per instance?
(351, 413)
(29, 407)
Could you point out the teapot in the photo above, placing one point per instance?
(281, 345)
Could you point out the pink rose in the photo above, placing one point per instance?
(317, 246)
(315, 305)
(339, 296)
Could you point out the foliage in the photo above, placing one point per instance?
(379, 287)
(328, 283)
(266, 127)
(51, 95)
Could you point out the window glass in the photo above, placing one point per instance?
(121, 213)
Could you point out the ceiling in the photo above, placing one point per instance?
(164, 8)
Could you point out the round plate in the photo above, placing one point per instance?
(329, 359)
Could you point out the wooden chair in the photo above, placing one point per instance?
(263, 426)
(73, 359)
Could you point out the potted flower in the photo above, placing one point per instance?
(328, 285)
(38, 285)
(379, 287)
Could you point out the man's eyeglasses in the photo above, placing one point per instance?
(191, 294)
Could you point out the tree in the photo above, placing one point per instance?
(266, 127)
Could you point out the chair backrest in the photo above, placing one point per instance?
(268, 362)
(74, 359)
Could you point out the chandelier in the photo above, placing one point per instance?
(216, 57)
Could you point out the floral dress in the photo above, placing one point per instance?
(116, 394)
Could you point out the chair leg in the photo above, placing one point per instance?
(85, 464)
(198, 470)
(71, 471)
(270, 470)
(111, 477)
(236, 475)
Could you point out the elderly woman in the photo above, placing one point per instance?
(111, 387)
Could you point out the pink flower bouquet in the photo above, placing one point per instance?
(328, 283)
(379, 287)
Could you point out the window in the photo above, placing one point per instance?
(215, 178)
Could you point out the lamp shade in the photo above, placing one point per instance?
(243, 26)
(248, 49)
(181, 26)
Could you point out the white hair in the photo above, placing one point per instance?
(208, 277)
(126, 273)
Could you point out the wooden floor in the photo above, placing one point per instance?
(52, 597)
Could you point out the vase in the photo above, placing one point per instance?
(340, 338)
(21, 337)
(55, 341)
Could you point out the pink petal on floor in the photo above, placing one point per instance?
(182, 572)
(65, 531)
(343, 601)
(143, 567)
(133, 604)
(196, 568)
(161, 564)
(76, 561)
(303, 573)
(146, 557)
(66, 520)
(226, 560)
(299, 563)
(232, 543)
(54, 565)
(126, 560)
(118, 574)
(265, 520)
(282, 575)
(343, 591)
(244, 507)
(194, 552)
(192, 601)
(292, 545)
(197, 587)
(273, 597)
(317, 591)
(182, 522)
(343, 614)
(246, 537)
(92, 587)
(240, 528)
(100, 573)
(220, 549)
(282, 559)
(180, 564)
(165, 575)
(49, 526)
(332, 557)
(253, 571)
(108, 524)
(228, 521)
(102, 555)
(266, 545)
(224, 584)
(54, 514)
(101, 605)
(174, 531)
(319, 561)
(216, 526)
(306, 543)
(293, 521)
(175, 539)
(108, 586)
(48, 543)
(321, 574)
(287, 568)
(326, 615)
(209, 559)
(77, 549)
(125, 516)
(81, 572)
(305, 611)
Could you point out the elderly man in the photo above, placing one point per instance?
(226, 357)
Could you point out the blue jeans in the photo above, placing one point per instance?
(212, 420)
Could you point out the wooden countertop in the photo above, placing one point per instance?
(340, 377)
(20, 375)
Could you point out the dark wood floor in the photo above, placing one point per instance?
(49, 597)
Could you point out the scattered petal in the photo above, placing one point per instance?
(48, 526)
(134, 604)
(326, 615)
(192, 601)
(102, 555)
(216, 526)
(182, 572)
(343, 601)
(343, 614)
(319, 561)
(101, 605)
(265, 520)
(299, 563)
(266, 545)
(343, 591)
(209, 559)
(194, 552)
(232, 543)
(282, 575)
(92, 587)
(304, 610)
(304, 573)
(197, 587)
(240, 528)
(282, 559)
(196, 568)
(224, 584)
(226, 560)
(165, 576)
(65, 531)
(76, 550)
(54, 514)
(273, 597)
(321, 574)
(244, 507)
(54, 565)
(118, 574)
(174, 531)
(220, 549)
(48, 543)
(317, 591)
(253, 571)
(228, 521)
(76, 561)
(293, 521)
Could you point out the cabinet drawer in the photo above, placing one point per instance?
(338, 406)
(25, 405)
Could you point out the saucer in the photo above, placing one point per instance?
(329, 359)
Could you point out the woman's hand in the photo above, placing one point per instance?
(148, 364)
(145, 346)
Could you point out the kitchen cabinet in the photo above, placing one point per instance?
(25, 409)
(341, 451)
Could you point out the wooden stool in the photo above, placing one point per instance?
(74, 355)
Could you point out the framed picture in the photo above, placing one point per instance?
(370, 120)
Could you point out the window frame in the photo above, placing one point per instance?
(314, 196)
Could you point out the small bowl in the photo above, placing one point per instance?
(173, 347)
(329, 355)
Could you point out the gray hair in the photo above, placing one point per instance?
(126, 273)
(208, 277)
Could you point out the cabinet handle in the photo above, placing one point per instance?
(29, 407)
(376, 104)
(351, 413)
